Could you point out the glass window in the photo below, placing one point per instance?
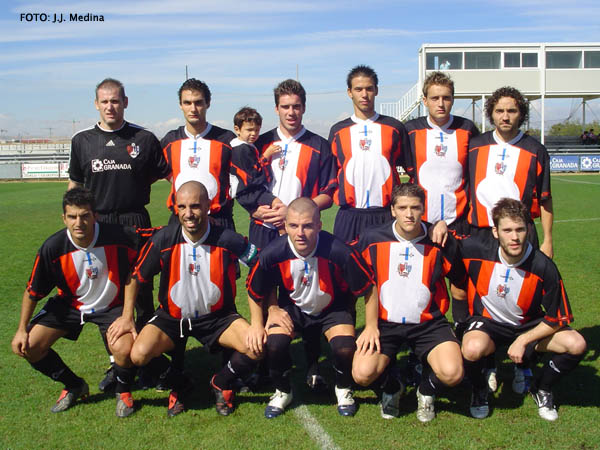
(482, 60)
(592, 60)
(529, 60)
(444, 61)
(563, 60)
(512, 59)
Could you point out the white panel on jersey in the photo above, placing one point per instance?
(285, 185)
(367, 170)
(404, 295)
(95, 290)
(503, 294)
(194, 293)
(307, 293)
(441, 174)
(195, 164)
(499, 177)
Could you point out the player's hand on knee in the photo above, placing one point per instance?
(279, 317)
(368, 341)
(20, 343)
(120, 327)
(256, 338)
(516, 351)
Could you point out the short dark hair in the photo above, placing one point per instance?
(191, 84)
(305, 204)
(408, 190)
(289, 87)
(509, 207)
(361, 71)
(437, 78)
(507, 91)
(247, 114)
(79, 196)
(111, 82)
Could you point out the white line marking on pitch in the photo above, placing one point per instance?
(316, 431)
(574, 181)
(591, 219)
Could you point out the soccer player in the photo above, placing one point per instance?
(89, 263)
(118, 161)
(367, 148)
(516, 297)
(304, 277)
(407, 305)
(200, 151)
(508, 163)
(197, 296)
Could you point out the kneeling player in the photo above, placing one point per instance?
(315, 273)
(196, 294)
(407, 305)
(89, 263)
(516, 297)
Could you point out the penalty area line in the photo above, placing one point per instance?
(314, 429)
(591, 219)
(574, 181)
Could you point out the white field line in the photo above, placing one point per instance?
(573, 181)
(316, 432)
(591, 219)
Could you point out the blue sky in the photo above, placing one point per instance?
(242, 50)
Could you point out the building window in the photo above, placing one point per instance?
(529, 60)
(444, 61)
(482, 60)
(563, 60)
(512, 59)
(592, 60)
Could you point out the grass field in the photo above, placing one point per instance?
(30, 212)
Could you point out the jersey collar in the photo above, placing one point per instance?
(237, 141)
(287, 140)
(518, 263)
(197, 136)
(513, 141)
(111, 131)
(444, 127)
(298, 255)
(92, 244)
(199, 241)
(413, 241)
(371, 119)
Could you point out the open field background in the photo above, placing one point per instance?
(30, 212)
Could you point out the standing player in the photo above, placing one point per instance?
(196, 294)
(200, 151)
(516, 297)
(118, 161)
(89, 263)
(407, 305)
(367, 148)
(312, 270)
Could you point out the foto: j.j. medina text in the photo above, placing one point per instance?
(60, 17)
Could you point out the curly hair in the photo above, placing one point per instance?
(192, 84)
(79, 196)
(247, 114)
(507, 91)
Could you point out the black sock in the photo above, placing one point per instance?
(238, 366)
(555, 368)
(343, 348)
(431, 384)
(125, 377)
(474, 370)
(53, 367)
(385, 383)
(280, 361)
(311, 339)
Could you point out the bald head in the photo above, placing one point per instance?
(194, 188)
(192, 208)
(304, 205)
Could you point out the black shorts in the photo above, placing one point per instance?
(350, 222)
(460, 227)
(207, 329)
(420, 337)
(485, 234)
(500, 333)
(57, 314)
(260, 235)
(307, 323)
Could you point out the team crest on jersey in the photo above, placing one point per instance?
(194, 268)
(91, 272)
(440, 150)
(193, 161)
(404, 269)
(133, 150)
(282, 163)
(500, 168)
(502, 290)
(365, 144)
(306, 280)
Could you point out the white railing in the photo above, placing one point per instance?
(36, 148)
(403, 107)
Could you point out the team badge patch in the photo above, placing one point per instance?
(194, 268)
(91, 272)
(282, 163)
(500, 168)
(365, 144)
(133, 150)
(306, 280)
(193, 161)
(502, 290)
(440, 150)
(404, 269)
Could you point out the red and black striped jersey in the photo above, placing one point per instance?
(437, 162)
(519, 169)
(196, 278)
(313, 283)
(88, 279)
(367, 153)
(205, 158)
(409, 275)
(250, 174)
(514, 293)
(117, 166)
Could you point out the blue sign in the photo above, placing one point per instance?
(564, 163)
(589, 163)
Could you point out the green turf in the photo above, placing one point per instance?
(30, 212)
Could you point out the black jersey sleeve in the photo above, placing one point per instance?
(42, 279)
(454, 267)
(148, 263)
(75, 169)
(260, 281)
(555, 301)
(251, 175)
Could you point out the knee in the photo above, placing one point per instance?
(451, 373)
(140, 354)
(576, 344)
(122, 348)
(473, 349)
(364, 375)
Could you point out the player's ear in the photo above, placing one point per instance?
(495, 232)
(125, 102)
